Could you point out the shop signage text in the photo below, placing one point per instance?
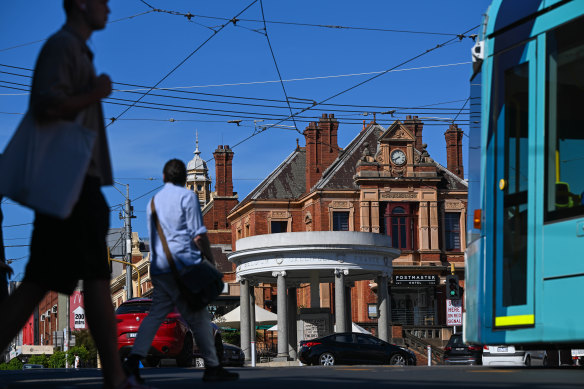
(415, 279)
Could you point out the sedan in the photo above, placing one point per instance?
(457, 352)
(173, 339)
(349, 348)
(505, 355)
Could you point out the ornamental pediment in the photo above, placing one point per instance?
(397, 132)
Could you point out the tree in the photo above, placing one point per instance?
(15, 364)
(77, 350)
(83, 338)
(39, 360)
(57, 360)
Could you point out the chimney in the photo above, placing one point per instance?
(321, 147)
(454, 150)
(223, 167)
(415, 126)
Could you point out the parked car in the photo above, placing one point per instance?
(457, 352)
(505, 355)
(27, 366)
(232, 355)
(349, 348)
(173, 339)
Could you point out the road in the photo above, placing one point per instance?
(338, 377)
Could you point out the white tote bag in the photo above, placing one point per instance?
(43, 167)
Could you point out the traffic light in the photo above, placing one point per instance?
(452, 289)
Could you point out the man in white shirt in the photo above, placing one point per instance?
(179, 214)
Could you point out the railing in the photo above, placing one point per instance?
(421, 346)
(414, 317)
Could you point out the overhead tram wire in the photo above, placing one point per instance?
(189, 16)
(360, 83)
(363, 107)
(277, 68)
(42, 40)
(458, 114)
(215, 32)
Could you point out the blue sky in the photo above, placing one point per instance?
(140, 47)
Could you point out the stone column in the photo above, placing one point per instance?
(282, 321)
(340, 320)
(244, 318)
(375, 217)
(252, 311)
(314, 289)
(348, 307)
(292, 308)
(365, 220)
(423, 233)
(383, 304)
(434, 226)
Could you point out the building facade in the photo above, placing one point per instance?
(383, 182)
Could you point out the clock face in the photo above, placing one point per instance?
(398, 157)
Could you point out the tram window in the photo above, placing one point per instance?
(452, 231)
(565, 122)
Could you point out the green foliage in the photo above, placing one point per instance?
(39, 360)
(57, 360)
(77, 350)
(231, 337)
(83, 338)
(15, 364)
(3, 366)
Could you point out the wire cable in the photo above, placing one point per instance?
(215, 32)
(276, 64)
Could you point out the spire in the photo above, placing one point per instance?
(197, 152)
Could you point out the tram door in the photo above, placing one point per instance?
(513, 123)
(563, 185)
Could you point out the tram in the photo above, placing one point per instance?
(525, 252)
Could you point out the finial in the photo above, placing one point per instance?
(197, 152)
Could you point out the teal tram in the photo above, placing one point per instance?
(525, 256)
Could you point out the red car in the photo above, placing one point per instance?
(173, 340)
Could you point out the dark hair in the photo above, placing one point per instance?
(68, 6)
(175, 171)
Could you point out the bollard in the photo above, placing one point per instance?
(429, 355)
(253, 354)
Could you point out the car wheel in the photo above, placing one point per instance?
(199, 362)
(150, 361)
(185, 358)
(326, 359)
(528, 361)
(397, 359)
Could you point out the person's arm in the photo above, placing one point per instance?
(72, 105)
(203, 243)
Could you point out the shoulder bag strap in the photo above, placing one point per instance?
(162, 238)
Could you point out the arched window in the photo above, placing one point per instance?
(398, 225)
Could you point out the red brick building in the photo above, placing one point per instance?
(383, 182)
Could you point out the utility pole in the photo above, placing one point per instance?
(128, 234)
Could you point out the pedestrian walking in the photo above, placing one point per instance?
(66, 89)
(179, 213)
(5, 269)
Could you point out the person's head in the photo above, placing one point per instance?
(175, 172)
(91, 12)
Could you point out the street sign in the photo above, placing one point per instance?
(453, 312)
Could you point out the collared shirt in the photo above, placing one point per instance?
(63, 69)
(179, 213)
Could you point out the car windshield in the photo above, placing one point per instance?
(455, 341)
(141, 307)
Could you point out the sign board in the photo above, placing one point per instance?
(415, 279)
(79, 318)
(77, 311)
(453, 312)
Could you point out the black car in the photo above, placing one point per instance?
(457, 352)
(232, 355)
(348, 348)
